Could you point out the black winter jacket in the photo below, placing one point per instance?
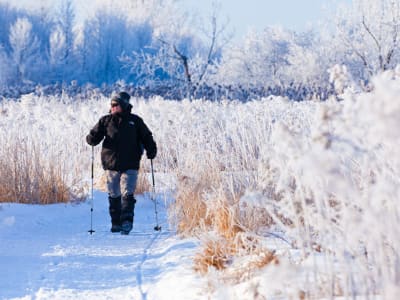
(124, 135)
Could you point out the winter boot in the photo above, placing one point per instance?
(127, 213)
(115, 213)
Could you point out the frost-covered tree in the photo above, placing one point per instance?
(259, 60)
(166, 62)
(5, 70)
(370, 32)
(7, 17)
(66, 23)
(310, 56)
(103, 42)
(106, 37)
(216, 39)
(43, 24)
(62, 42)
(194, 59)
(57, 52)
(303, 65)
(25, 48)
(183, 53)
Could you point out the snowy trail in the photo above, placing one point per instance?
(46, 252)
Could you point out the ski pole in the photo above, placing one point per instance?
(157, 227)
(91, 231)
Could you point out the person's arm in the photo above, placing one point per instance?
(96, 135)
(146, 137)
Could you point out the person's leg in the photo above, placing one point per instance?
(128, 186)
(114, 198)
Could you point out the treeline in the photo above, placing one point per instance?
(155, 48)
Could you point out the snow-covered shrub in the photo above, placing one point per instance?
(44, 156)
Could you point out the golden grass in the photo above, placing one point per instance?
(24, 178)
(142, 184)
(216, 252)
(30, 173)
(219, 252)
(201, 203)
(225, 239)
(190, 207)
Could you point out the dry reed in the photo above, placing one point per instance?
(26, 177)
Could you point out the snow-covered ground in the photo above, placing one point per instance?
(46, 252)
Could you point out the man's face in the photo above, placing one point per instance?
(115, 107)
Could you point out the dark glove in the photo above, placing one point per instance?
(151, 155)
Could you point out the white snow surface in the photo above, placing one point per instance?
(46, 252)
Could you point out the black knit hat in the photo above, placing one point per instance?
(122, 99)
(125, 96)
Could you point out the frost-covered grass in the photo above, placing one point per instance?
(322, 179)
(43, 149)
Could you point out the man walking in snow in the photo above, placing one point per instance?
(125, 135)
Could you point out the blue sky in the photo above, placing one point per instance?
(257, 14)
(245, 14)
